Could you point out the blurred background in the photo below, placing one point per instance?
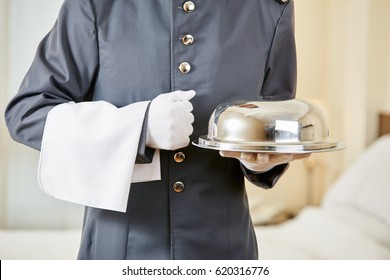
(343, 50)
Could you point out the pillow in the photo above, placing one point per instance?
(365, 185)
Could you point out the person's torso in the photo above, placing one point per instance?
(141, 49)
(142, 45)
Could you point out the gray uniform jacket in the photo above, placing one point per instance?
(125, 51)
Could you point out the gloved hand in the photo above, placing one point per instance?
(170, 120)
(262, 162)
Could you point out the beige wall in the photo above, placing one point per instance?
(343, 50)
(3, 99)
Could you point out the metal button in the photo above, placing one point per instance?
(178, 187)
(179, 157)
(189, 6)
(187, 39)
(184, 67)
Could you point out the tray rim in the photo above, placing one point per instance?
(270, 147)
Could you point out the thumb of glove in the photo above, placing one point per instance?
(180, 95)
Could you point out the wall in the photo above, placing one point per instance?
(3, 100)
(343, 58)
(24, 205)
(357, 60)
(378, 72)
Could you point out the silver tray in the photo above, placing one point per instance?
(269, 147)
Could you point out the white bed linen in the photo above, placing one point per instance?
(39, 244)
(327, 234)
(365, 185)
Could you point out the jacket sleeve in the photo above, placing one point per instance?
(63, 70)
(144, 154)
(281, 68)
(265, 180)
(279, 83)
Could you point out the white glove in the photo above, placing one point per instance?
(170, 120)
(262, 162)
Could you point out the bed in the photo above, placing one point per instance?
(39, 244)
(352, 222)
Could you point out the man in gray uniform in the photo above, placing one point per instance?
(128, 51)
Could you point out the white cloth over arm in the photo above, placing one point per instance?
(88, 153)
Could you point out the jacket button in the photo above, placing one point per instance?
(187, 39)
(189, 6)
(184, 67)
(178, 187)
(179, 157)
